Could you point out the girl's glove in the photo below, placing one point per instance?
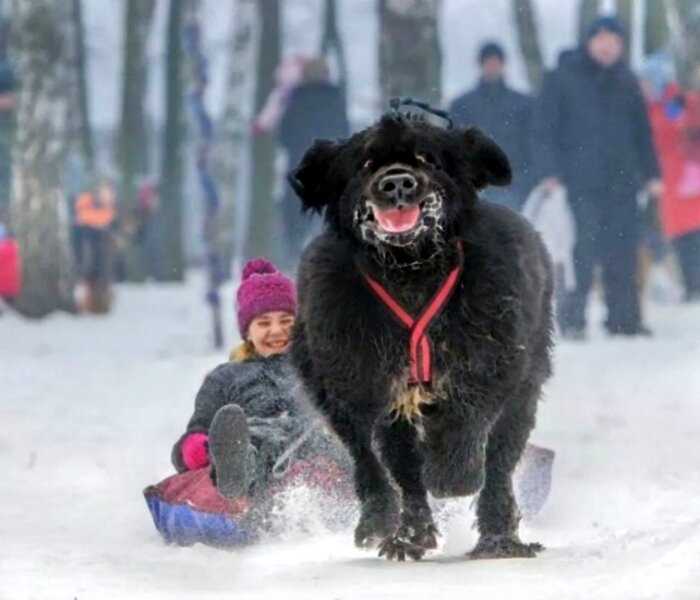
(195, 451)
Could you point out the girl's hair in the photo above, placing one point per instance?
(244, 351)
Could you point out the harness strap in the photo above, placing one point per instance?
(420, 353)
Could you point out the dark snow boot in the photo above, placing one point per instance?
(229, 443)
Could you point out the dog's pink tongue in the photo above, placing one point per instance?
(397, 220)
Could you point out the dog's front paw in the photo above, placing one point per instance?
(503, 546)
(411, 541)
(379, 518)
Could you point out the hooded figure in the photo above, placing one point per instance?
(505, 115)
(591, 134)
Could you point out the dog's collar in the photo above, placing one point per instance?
(420, 353)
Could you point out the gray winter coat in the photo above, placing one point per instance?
(268, 391)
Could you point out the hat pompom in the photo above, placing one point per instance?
(258, 266)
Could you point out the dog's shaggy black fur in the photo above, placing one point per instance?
(491, 344)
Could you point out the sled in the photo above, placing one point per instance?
(187, 508)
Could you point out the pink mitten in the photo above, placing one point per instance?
(195, 451)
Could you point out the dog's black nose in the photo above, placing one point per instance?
(397, 186)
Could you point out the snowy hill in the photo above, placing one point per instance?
(90, 408)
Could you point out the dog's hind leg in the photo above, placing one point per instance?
(497, 510)
(454, 452)
(417, 532)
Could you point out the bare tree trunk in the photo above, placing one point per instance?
(132, 154)
(87, 146)
(262, 213)
(656, 34)
(173, 138)
(528, 38)
(624, 13)
(410, 59)
(42, 38)
(233, 128)
(587, 11)
(331, 42)
(684, 23)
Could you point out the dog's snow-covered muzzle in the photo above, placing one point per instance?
(429, 223)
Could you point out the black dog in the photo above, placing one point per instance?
(424, 329)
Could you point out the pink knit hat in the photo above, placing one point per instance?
(263, 289)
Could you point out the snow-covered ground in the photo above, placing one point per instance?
(90, 407)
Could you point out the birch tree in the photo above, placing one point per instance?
(232, 130)
(41, 45)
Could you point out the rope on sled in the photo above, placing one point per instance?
(192, 39)
(282, 464)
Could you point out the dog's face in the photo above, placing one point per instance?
(399, 184)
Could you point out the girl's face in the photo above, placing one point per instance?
(269, 332)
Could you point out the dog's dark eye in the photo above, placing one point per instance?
(367, 165)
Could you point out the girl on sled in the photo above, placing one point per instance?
(251, 433)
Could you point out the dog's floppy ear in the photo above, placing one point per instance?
(489, 163)
(310, 179)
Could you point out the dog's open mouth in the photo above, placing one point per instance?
(400, 227)
(396, 220)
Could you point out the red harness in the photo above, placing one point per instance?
(420, 360)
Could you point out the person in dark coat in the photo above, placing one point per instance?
(249, 413)
(504, 115)
(592, 135)
(315, 109)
